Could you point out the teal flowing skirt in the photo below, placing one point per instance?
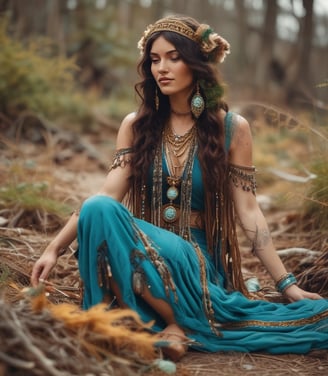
(245, 325)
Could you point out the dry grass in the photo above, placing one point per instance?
(40, 338)
(255, 364)
(71, 182)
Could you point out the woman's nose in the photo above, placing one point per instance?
(162, 67)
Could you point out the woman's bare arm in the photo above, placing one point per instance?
(116, 185)
(250, 215)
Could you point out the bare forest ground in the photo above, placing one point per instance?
(74, 167)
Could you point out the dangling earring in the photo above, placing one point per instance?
(156, 99)
(197, 103)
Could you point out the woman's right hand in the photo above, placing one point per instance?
(48, 259)
(43, 266)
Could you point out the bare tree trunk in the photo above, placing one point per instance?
(265, 55)
(194, 7)
(124, 14)
(28, 17)
(157, 10)
(55, 25)
(300, 85)
(306, 35)
(4, 5)
(242, 35)
(179, 6)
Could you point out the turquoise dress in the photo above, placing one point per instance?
(107, 230)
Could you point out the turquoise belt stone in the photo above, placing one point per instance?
(172, 193)
(170, 214)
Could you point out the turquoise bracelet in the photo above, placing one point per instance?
(285, 281)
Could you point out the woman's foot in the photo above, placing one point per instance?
(177, 342)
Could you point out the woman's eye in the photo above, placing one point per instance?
(175, 58)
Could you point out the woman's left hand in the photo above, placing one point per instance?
(295, 293)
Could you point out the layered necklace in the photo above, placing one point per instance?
(179, 151)
(176, 150)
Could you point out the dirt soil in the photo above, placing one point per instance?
(74, 176)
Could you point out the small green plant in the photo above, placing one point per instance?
(32, 196)
(35, 78)
(316, 205)
(4, 274)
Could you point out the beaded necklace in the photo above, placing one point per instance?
(176, 146)
(164, 213)
(220, 217)
(174, 218)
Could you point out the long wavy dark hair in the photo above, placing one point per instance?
(150, 122)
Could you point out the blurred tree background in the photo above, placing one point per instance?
(54, 51)
(72, 64)
(67, 76)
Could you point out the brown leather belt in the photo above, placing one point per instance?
(196, 218)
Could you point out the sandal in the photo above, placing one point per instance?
(173, 342)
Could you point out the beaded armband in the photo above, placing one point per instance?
(285, 281)
(120, 159)
(244, 177)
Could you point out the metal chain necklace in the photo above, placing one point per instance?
(179, 143)
(176, 146)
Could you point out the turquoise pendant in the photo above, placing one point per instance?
(170, 214)
(172, 193)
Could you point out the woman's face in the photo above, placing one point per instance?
(171, 73)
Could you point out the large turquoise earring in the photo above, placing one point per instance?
(197, 103)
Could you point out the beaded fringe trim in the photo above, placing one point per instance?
(244, 177)
(158, 262)
(207, 303)
(186, 186)
(184, 223)
(315, 319)
(120, 159)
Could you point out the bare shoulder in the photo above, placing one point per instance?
(241, 143)
(240, 127)
(241, 131)
(125, 132)
(126, 124)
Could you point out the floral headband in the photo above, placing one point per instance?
(211, 44)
